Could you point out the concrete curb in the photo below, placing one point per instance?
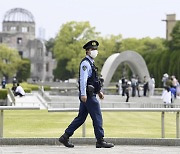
(90, 141)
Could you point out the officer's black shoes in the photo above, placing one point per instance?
(103, 144)
(64, 139)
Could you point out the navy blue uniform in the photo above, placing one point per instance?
(89, 85)
(88, 76)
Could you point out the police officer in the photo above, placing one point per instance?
(89, 86)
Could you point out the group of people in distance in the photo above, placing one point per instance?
(134, 85)
(17, 89)
(170, 84)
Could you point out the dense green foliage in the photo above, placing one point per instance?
(161, 56)
(174, 51)
(11, 64)
(9, 61)
(23, 72)
(68, 47)
(174, 44)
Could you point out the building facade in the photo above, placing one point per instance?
(170, 23)
(18, 31)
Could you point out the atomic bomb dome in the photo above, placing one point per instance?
(18, 14)
(18, 31)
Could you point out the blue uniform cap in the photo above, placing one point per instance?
(93, 44)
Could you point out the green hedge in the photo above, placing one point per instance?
(29, 87)
(27, 90)
(47, 88)
(3, 93)
(33, 87)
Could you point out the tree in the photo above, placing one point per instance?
(151, 45)
(23, 72)
(61, 72)
(173, 53)
(68, 47)
(174, 44)
(131, 44)
(9, 61)
(50, 45)
(155, 56)
(109, 45)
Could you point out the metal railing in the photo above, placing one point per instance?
(159, 105)
(11, 96)
(162, 110)
(43, 94)
(75, 104)
(2, 108)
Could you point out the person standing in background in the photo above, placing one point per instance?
(3, 83)
(138, 88)
(164, 79)
(133, 85)
(166, 97)
(123, 85)
(151, 85)
(145, 86)
(127, 90)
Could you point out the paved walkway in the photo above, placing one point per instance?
(34, 100)
(86, 149)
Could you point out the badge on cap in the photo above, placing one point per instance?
(84, 67)
(93, 43)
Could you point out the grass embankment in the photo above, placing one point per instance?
(44, 124)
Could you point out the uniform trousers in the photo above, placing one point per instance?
(92, 107)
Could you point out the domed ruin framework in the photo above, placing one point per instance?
(18, 32)
(18, 14)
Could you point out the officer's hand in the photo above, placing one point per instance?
(84, 99)
(101, 95)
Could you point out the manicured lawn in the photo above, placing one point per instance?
(124, 124)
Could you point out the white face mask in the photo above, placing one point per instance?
(94, 53)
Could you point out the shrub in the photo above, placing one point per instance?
(3, 93)
(29, 87)
(27, 90)
(47, 88)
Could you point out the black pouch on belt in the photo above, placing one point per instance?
(90, 90)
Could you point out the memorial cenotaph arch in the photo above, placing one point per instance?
(134, 60)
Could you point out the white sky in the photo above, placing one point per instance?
(131, 18)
